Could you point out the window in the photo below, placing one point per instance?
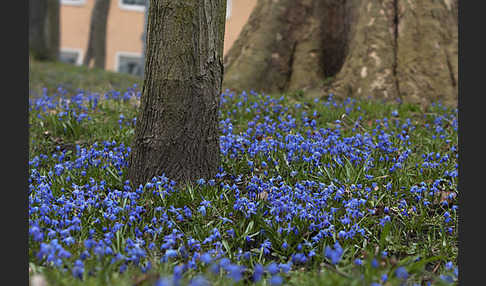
(71, 56)
(129, 63)
(228, 9)
(136, 5)
(73, 2)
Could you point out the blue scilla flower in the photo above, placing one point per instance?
(266, 245)
(78, 269)
(332, 255)
(285, 267)
(177, 273)
(276, 280)
(199, 281)
(401, 273)
(215, 268)
(202, 210)
(273, 268)
(171, 253)
(206, 258)
(285, 245)
(447, 278)
(235, 272)
(163, 281)
(258, 272)
(384, 277)
(447, 217)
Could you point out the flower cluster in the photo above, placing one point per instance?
(298, 185)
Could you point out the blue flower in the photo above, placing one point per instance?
(215, 268)
(447, 278)
(285, 245)
(257, 273)
(334, 254)
(266, 245)
(235, 272)
(285, 267)
(199, 281)
(384, 277)
(78, 269)
(276, 280)
(401, 273)
(273, 268)
(163, 281)
(202, 210)
(178, 271)
(206, 258)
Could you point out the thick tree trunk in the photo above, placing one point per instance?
(44, 29)
(278, 48)
(96, 49)
(177, 126)
(390, 49)
(402, 50)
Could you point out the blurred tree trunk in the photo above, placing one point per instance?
(144, 34)
(177, 126)
(96, 49)
(390, 49)
(44, 27)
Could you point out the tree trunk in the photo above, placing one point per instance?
(278, 48)
(44, 29)
(96, 49)
(177, 126)
(144, 34)
(389, 49)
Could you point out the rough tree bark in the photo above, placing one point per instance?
(96, 49)
(177, 126)
(44, 28)
(390, 49)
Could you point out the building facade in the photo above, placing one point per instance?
(125, 29)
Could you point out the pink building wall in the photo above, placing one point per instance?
(125, 27)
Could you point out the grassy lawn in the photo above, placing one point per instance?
(51, 75)
(309, 192)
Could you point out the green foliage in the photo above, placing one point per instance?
(49, 75)
(415, 239)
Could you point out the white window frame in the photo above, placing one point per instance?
(126, 54)
(79, 60)
(139, 8)
(228, 9)
(73, 2)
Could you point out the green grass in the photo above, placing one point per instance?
(420, 234)
(46, 74)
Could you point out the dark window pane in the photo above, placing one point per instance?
(68, 57)
(134, 2)
(130, 65)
